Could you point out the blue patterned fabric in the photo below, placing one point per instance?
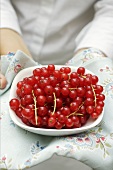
(21, 149)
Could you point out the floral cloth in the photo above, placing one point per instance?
(22, 149)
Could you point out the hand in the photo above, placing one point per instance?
(3, 81)
(83, 49)
(12, 41)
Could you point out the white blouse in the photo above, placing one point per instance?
(54, 29)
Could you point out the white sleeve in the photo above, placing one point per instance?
(99, 33)
(8, 16)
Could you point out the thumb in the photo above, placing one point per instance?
(3, 81)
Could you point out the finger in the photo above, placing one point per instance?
(3, 81)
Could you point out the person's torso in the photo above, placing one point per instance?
(49, 27)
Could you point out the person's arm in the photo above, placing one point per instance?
(10, 34)
(99, 33)
(11, 41)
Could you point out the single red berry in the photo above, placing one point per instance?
(73, 94)
(61, 118)
(77, 125)
(26, 121)
(88, 80)
(66, 111)
(69, 123)
(30, 106)
(98, 89)
(100, 97)
(23, 101)
(51, 122)
(28, 99)
(67, 70)
(82, 109)
(94, 115)
(56, 73)
(36, 122)
(83, 119)
(89, 101)
(74, 75)
(67, 101)
(64, 83)
(38, 92)
(41, 100)
(90, 109)
(49, 98)
(74, 82)
(19, 112)
(81, 91)
(19, 93)
(94, 79)
(27, 89)
(57, 91)
(62, 69)
(42, 111)
(79, 100)
(52, 80)
(81, 70)
(81, 81)
(100, 103)
(58, 125)
(64, 76)
(19, 84)
(37, 72)
(43, 83)
(65, 91)
(31, 80)
(98, 109)
(89, 94)
(58, 112)
(45, 121)
(75, 120)
(51, 67)
(28, 113)
(59, 102)
(74, 106)
(49, 90)
(14, 104)
(45, 73)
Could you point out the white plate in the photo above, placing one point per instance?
(49, 132)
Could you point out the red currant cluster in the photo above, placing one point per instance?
(52, 98)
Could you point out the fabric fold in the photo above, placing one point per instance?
(12, 63)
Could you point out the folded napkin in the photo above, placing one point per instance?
(22, 149)
(12, 63)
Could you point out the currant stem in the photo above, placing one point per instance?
(79, 114)
(75, 113)
(95, 99)
(83, 76)
(21, 106)
(34, 98)
(54, 104)
(72, 88)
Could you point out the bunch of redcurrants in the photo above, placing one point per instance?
(59, 99)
